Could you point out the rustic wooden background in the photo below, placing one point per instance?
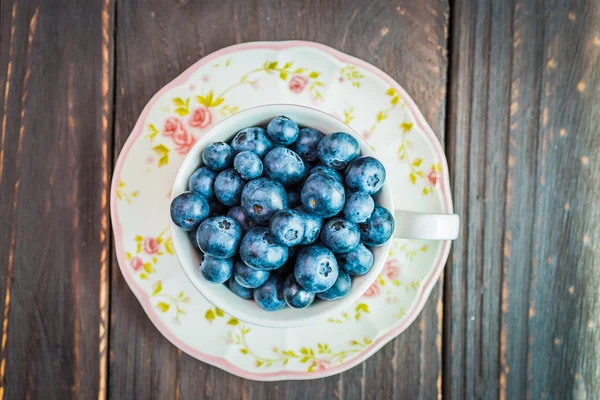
(512, 89)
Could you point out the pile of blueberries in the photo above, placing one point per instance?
(284, 215)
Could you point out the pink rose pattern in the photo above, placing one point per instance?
(433, 177)
(150, 245)
(136, 263)
(201, 118)
(298, 83)
(181, 137)
(373, 290)
(391, 269)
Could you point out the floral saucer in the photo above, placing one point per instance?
(217, 86)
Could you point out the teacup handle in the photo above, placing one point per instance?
(416, 225)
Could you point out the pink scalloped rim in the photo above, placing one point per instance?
(222, 363)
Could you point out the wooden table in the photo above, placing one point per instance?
(512, 89)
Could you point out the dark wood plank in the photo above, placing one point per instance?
(54, 174)
(520, 317)
(406, 40)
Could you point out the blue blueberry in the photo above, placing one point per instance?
(328, 171)
(269, 296)
(243, 292)
(218, 156)
(283, 130)
(249, 277)
(312, 226)
(284, 166)
(188, 210)
(201, 182)
(287, 227)
(295, 295)
(215, 269)
(340, 288)
(365, 174)
(338, 149)
(261, 198)
(252, 139)
(339, 235)
(306, 144)
(307, 167)
(259, 250)
(293, 198)
(358, 207)
(228, 187)
(323, 195)
(216, 208)
(238, 215)
(248, 165)
(377, 230)
(316, 268)
(192, 236)
(219, 236)
(357, 261)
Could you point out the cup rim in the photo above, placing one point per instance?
(308, 315)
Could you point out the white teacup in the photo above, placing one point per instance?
(408, 224)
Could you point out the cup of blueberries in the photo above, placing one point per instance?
(281, 215)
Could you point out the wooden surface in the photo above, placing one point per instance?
(512, 90)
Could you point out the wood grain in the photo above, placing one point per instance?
(52, 197)
(408, 41)
(516, 315)
(522, 142)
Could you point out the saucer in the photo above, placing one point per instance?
(234, 79)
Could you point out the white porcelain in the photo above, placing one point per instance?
(246, 76)
(426, 226)
(189, 257)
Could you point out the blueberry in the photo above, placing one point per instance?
(284, 166)
(252, 139)
(307, 167)
(219, 236)
(378, 228)
(328, 171)
(358, 207)
(287, 227)
(216, 208)
(259, 250)
(269, 296)
(293, 198)
(218, 156)
(282, 130)
(248, 165)
(316, 268)
(306, 144)
(357, 261)
(295, 295)
(323, 195)
(338, 149)
(249, 277)
(366, 174)
(192, 236)
(188, 210)
(228, 187)
(340, 235)
(243, 292)
(261, 198)
(312, 226)
(215, 269)
(340, 288)
(201, 182)
(238, 215)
